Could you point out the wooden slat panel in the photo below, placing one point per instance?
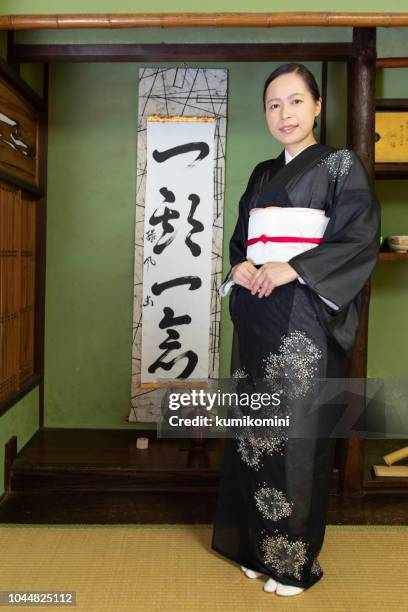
(17, 289)
(27, 289)
(8, 312)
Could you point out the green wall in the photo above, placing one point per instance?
(21, 421)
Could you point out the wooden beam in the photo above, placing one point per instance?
(392, 62)
(201, 20)
(234, 52)
(390, 171)
(394, 104)
(41, 252)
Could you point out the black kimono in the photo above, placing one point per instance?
(273, 495)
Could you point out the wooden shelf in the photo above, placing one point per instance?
(374, 451)
(391, 171)
(393, 104)
(391, 256)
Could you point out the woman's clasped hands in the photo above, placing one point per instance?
(263, 281)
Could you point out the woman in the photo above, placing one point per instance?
(304, 246)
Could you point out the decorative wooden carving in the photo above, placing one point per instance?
(19, 124)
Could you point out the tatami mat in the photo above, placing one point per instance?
(171, 567)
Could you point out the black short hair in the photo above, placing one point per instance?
(302, 71)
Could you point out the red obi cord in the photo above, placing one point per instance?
(265, 239)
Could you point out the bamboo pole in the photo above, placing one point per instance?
(398, 455)
(201, 20)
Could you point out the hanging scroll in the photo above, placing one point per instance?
(181, 92)
(177, 248)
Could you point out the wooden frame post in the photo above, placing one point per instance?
(360, 138)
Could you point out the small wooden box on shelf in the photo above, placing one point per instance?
(390, 138)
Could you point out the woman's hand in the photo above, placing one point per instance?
(243, 273)
(271, 275)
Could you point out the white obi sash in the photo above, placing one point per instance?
(277, 234)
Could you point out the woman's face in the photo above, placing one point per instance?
(288, 102)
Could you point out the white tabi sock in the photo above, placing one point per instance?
(270, 585)
(250, 573)
(285, 589)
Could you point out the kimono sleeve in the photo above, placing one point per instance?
(237, 245)
(341, 264)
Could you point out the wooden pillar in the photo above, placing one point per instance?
(323, 113)
(360, 138)
(361, 109)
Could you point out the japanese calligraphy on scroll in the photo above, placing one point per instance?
(177, 248)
